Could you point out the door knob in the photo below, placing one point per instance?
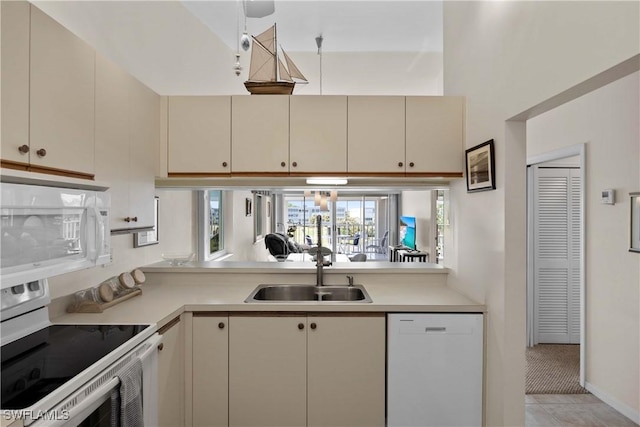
(283, 164)
(41, 152)
(224, 164)
(400, 164)
(24, 149)
(300, 325)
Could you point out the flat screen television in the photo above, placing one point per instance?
(408, 231)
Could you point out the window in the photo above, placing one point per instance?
(258, 222)
(210, 224)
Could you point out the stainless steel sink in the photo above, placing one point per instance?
(302, 293)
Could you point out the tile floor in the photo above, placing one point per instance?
(569, 410)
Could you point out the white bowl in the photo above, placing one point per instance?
(177, 259)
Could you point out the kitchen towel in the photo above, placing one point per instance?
(126, 401)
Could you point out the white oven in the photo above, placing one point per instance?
(91, 405)
(65, 374)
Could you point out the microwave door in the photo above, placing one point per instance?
(48, 231)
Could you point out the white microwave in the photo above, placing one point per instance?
(47, 231)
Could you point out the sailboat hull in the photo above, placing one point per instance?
(269, 88)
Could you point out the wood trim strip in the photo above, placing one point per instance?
(435, 174)
(8, 164)
(169, 325)
(259, 174)
(198, 174)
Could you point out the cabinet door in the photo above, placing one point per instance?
(112, 136)
(267, 371)
(211, 370)
(376, 134)
(318, 136)
(171, 376)
(15, 80)
(199, 134)
(260, 134)
(144, 137)
(61, 97)
(435, 134)
(346, 370)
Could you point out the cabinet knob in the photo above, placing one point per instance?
(300, 325)
(294, 164)
(283, 164)
(41, 152)
(160, 346)
(313, 325)
(400, 164)
(24, 149)
(131, 219)
(221, 325)
(411, 164)
(224, 164)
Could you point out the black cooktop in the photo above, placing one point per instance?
(39, 363)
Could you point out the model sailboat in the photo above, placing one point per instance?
(267, 73)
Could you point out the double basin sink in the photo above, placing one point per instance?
(308, 293)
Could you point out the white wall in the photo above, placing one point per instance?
(176, 221)
(506, 57)
(608, 121)
(239, 232)
(418, 205)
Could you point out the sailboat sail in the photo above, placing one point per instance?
(267, 73)
(293, 70)
(284, 74)
(262, 66)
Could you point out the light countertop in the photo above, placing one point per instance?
(161, 302)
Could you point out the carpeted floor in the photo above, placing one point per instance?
(553, 369)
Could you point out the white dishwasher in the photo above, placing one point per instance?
(434, 369)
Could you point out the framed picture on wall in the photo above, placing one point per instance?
(146, 238)
(634, 245)
(480, 167)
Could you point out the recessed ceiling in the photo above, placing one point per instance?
(346, 26)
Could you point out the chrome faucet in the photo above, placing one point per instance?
(320, 262)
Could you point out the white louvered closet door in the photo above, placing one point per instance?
(557, 255)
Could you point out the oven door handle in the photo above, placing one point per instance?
(155, 341)
(88, 405)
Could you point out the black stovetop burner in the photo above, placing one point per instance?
(39, 363)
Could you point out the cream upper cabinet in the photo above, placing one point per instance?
(15, 81)
(112, 135)
(260, 134)
(210, 357)
(61, 97)
(171, 375)
(346, 370)
(144, 125)
(376, 134)
(199, 135)
(318, 134)
(127, 136)
(267, 371)
(435, 134)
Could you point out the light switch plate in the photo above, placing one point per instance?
(608, 197)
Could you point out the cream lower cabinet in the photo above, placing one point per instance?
(210, 364)
(298, 370)
(171, 375)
